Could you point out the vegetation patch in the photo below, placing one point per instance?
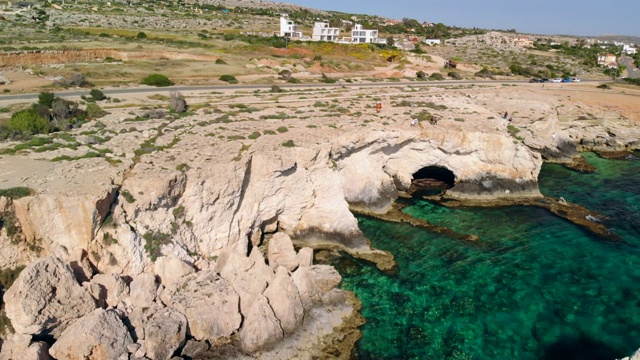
(158, 80)
(16, 192)
(127, 196)
(153, 242)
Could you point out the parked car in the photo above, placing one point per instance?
(544, 80)
(534, 80)
(566, 80)
(575, 80)
(556, 80)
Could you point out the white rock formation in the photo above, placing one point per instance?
(260, 328)
(142, 290)
(98, 335)
(20, 346)
(111, 289)
(46, 297)
(165, 332)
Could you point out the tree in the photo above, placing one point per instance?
(177, 102)
(141, 35)
(390, 41)
(46, 99)
(28, 122)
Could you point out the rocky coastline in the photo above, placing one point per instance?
(205, 250)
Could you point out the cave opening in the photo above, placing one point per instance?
(434, 179)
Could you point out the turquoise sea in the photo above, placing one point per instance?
(533, 287)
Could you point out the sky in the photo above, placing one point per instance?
(559, 17)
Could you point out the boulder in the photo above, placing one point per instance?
(46, 298)
(260, 327)
(314, 281)
(210, 304)
(98, 335)
(285, 301)
(20, 347)
(165, 332)
(142, 290)
(281, 252)
(195, 349)
(305, 257)
(171, 269)
(111, 289)
(248, 275)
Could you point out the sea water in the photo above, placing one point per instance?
(534, 286)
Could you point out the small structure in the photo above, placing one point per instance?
(607, 60)
(432, 42)
(362, 36)
(323, 32)
(450, 64)
(523, 41)
(288, 28)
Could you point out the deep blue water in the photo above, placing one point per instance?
(533, 287)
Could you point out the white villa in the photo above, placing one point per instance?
(432, 41)
(322, 32)
(360, 35)
(628, 49)
(288, 28)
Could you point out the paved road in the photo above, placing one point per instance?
(632, 71)
(147, 89)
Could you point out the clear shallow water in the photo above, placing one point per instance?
(533, 287)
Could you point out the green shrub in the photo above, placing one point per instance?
(154, 240)
(127, 196)
(421, 75)
(97, 95)
(436, 76)
(183, 167)
(94, 111)
(158, 80)
(269, 132)
(288, 143)
(229, 78)
(28, 122)
(276, 89)
(254, 135)
(220, 62)
(141, 35)
(282, 129)
(46, 99)
(328, 80)
(15, 192)
(454, 75)
(9, 275)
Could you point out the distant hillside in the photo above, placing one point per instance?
(621, 38)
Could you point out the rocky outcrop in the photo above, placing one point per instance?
(210, 304)
(46, 298)
(282, 253)
(285, 301)
(99, 335)
(21, 346)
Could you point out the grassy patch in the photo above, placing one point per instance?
(154, 240)
(282, 129)
(127, 196)
(288, 144)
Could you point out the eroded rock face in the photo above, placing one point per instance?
(171, 269)
(46, 298)
(143, 290)
(20, 346)
(100, 335)
(210, 304)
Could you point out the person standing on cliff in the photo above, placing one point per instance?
(553, 138)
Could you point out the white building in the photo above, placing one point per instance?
(432, 41)
(628, 49)
(360, 35)
(322, 32)
(288, 28)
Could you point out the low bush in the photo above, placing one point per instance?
(158, 80)
(421, 75)
(454, 75)
(282, 129)
(153, 242)
(436, 76)
(327, 80)
(276, 89)
(46, 99)
(229, 78)
(220, 62)
(15, 192)
(27, 122)
(141, 35)
(97, 95)
(288, 143)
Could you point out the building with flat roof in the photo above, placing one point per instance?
(323, 32)
(361, 36)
